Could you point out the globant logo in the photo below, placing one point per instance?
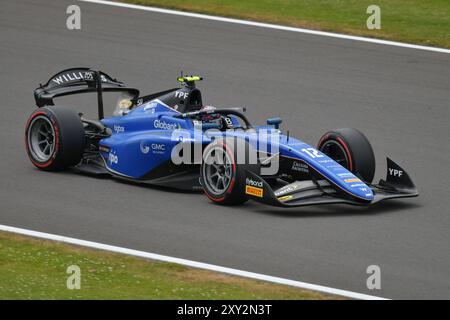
(161, 124)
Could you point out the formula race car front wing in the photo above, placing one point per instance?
(397, 184)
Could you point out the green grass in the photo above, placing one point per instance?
(415, 21)
(36, 269)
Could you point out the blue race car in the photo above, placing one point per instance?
(172, 139)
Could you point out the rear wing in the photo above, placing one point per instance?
(80, 80)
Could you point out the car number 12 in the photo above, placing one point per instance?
(313, 153)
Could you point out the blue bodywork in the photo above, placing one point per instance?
(143, 139)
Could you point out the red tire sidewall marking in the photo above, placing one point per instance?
(230, 187)
(347, 151)
(325, 137)
(55, 128)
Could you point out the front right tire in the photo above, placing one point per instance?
(351, 149)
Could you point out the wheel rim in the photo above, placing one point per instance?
(336, 152)
(41, 139)
(217, 171)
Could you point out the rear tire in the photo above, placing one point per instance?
(54, 138)
(351, 149)
(224, 183)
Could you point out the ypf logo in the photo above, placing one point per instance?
(181, 94)
(395, 172)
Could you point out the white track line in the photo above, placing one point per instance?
(268, 25)
(190, 263)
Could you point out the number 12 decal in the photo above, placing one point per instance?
(313, 153)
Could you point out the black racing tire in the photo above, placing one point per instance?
(54, 138)
(356, 149)
(233, 193)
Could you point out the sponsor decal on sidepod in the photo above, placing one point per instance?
(144, 149)
(161, 124)
(119, 129)
(113, 158)
(157, 148)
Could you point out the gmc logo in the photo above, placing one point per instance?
(159, 147)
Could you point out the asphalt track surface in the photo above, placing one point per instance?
(399, 97)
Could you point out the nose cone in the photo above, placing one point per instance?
(358, 188)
